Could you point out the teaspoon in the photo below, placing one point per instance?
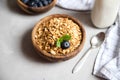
(95, 42)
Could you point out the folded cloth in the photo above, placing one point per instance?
(76, 4)
(107, 63)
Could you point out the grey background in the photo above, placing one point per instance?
(19, 61)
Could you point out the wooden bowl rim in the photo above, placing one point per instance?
(37, 8)
(44, 53)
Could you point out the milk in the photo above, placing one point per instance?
(104, 12)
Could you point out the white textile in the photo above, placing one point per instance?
(76, 4)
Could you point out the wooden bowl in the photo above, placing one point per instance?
(34, 10)
(49, 56)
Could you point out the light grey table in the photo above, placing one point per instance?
(19, 61)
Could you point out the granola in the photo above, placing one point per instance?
(48, 32)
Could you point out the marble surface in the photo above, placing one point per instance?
(19, 61)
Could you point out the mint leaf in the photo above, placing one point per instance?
(58, 43)
(63, 38)
(66, 37)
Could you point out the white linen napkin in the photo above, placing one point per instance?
(76, 4)
(107, 64)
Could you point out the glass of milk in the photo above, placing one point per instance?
(104, 12)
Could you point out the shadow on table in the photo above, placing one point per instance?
(12, 5)
(28, 49)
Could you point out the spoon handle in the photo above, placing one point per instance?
(81, 61)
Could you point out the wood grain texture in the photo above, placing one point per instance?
(55, 58)
(34, 10)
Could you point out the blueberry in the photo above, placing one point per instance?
(65, 45)
(49, 1)
(41, 0)
(45, 2)
(35, 5)
(36, 1)
(39, 4)
(32, 4)
(25, 1)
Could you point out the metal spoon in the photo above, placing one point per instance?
(95, 42)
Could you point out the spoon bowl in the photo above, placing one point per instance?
(97, 40)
